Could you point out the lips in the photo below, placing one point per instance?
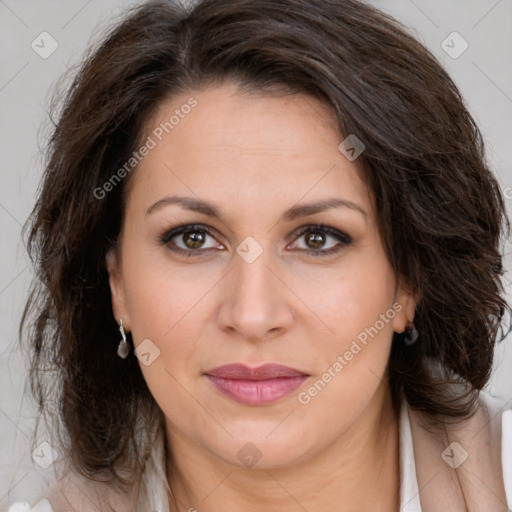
(256, 386)
(265, 372)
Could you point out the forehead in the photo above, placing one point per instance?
(238, 122)
(252, 145)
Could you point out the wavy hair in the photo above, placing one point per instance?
(440, 210)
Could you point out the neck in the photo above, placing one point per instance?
(360, 471)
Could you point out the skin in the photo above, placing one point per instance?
(255, 156)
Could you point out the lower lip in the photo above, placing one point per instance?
(257, 392)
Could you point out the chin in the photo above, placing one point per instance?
(267, 445)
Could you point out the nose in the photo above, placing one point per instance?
(256, 301)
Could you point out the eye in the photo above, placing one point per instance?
(189, 238)
(317, 236)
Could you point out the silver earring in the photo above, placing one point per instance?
(124, 349)
(411, 335)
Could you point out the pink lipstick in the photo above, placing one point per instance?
(256, 386)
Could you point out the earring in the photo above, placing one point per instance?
(411, 335)
(124, 349)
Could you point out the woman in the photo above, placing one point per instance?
(268, 249)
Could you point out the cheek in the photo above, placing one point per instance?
(353, 362)
(358, 306)
(353, 297)
(166, 308)
(160, 296)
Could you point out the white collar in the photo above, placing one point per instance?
(409, 492)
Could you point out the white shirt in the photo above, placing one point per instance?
(409, 492)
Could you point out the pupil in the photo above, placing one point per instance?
(317, 239)
(196, 239)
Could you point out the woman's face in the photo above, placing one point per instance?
(255, 290)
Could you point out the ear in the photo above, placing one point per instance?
(117, 288)
(405, 305)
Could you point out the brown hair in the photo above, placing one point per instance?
(440, 210)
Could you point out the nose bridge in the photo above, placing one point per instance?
(253, 276)
(256, 301)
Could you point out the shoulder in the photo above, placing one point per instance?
(73, 492)
(66, 490)
(492, 433)
(468, 461)
(499, 413)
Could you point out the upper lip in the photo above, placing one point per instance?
(242, 372)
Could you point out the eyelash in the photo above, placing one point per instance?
(345, 240)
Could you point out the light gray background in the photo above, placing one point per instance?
(483, 73)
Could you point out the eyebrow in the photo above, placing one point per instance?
(297, 211)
